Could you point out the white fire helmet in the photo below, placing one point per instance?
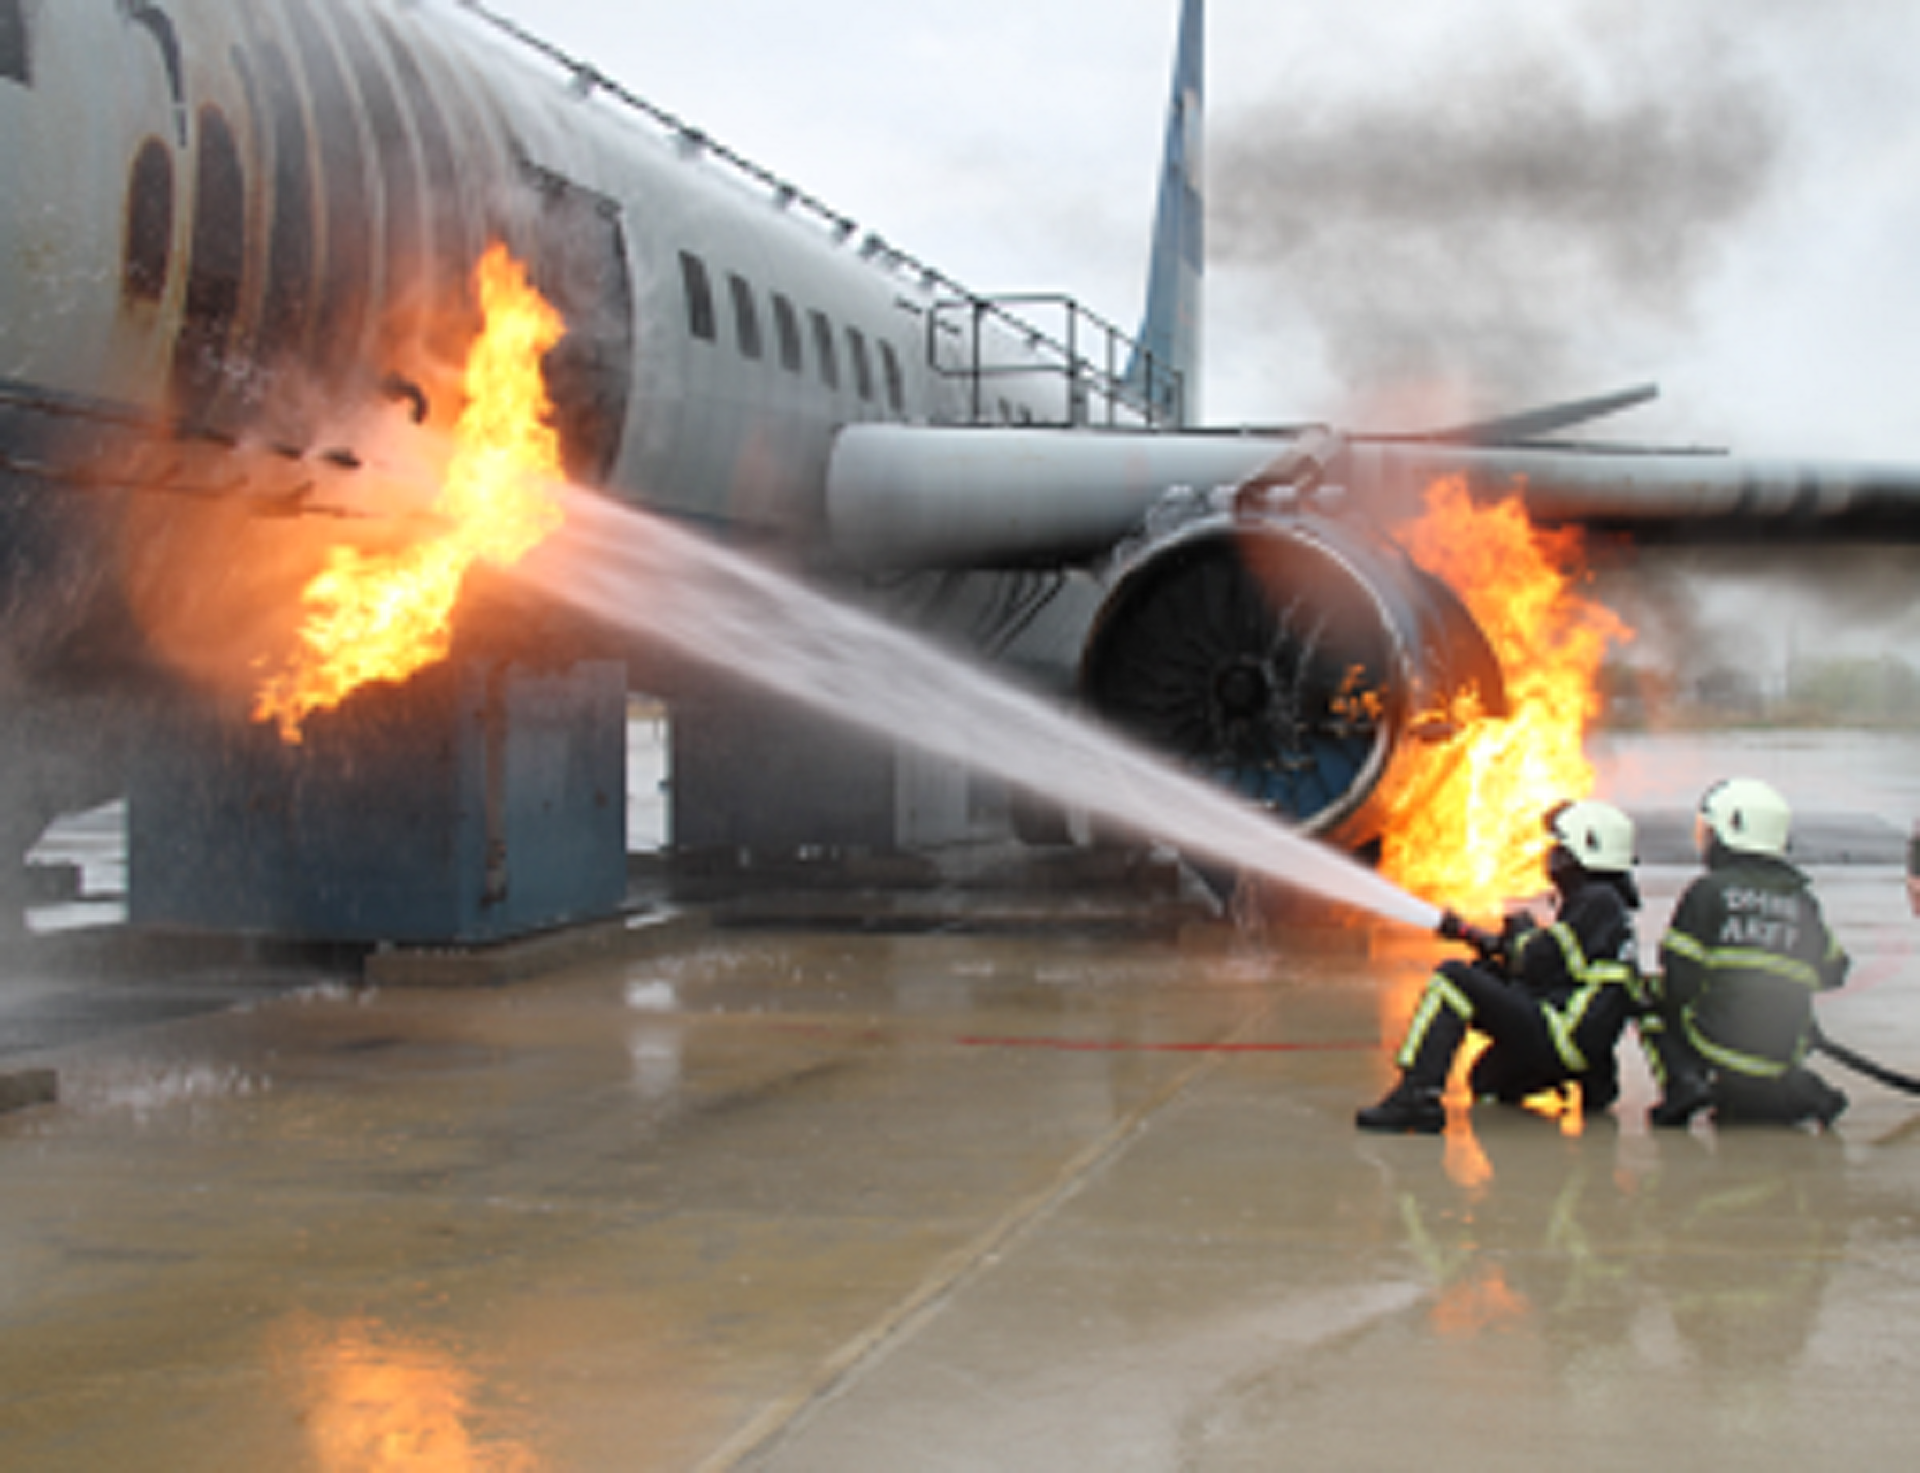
(1746, 816)
(1597, 836)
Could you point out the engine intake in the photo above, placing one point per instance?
(1287, 657)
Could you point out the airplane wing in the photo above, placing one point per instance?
(902, 495)
(1256, 616)
(1656, 496)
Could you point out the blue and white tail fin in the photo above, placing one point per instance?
(1166, 360)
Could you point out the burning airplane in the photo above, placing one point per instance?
(257, 262)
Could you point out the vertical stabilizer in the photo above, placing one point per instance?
(1165, 367)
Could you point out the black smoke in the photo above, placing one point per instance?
(1475, 222)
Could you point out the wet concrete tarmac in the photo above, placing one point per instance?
(987, 1182)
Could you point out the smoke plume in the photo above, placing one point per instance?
(1774, 616)
(1468, 225)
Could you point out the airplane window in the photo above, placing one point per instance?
(700, 319)
(890, 371)
(14, 61)
(786, 327)
(862, 368)
(823, 349)
(149, 222)
(746, 319)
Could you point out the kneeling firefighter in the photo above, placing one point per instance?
(1553, 1002)
(1748, 948)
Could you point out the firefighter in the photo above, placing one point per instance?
(1552, 1001)
(1732, 1016)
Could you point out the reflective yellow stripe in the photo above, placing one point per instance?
(1562, 1026)
(1685, 945)
(1788, 969)
(1440, 993)
(1453, 996)
(1570, 951)
(1749, 1064)
(1592, 976)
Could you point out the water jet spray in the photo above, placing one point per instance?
(644, 575)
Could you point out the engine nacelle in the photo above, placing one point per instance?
(1286, 655)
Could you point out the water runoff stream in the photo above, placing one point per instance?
(633, 571)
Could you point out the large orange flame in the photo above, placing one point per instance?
(383, 616)
(1464, 829)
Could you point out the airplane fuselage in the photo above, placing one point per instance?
(249, 218)
(238, 242)
(244, 233)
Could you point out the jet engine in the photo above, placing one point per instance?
(1287, 655)
(1265, 632)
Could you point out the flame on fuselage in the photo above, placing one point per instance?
(1464, 828)
(382, 616)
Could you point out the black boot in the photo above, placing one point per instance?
(1407, 1107)
(1688, 1093)
(1814, 1099)
(1425, 1060)
(1684, 1081)
(1599, 1088)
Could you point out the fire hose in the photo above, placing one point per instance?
(1860, 1064)
(1495, 947)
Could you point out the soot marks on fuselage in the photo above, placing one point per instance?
(287, 309)
(452, 244)
(338, 200)
(346, 189)
(403, 253)
(216, 269)
(149, 223)
(362, 272)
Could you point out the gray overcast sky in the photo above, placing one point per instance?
(1416, 207)
(1419, 211)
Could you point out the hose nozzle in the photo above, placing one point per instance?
(1454, 927)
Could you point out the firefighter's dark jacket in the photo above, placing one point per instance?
(1583, 970)
(1747, 950)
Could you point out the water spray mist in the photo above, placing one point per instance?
(640, 573)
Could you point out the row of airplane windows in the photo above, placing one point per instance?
(703, 321)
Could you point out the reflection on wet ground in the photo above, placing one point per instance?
(819, 1200)
(1060, 1194)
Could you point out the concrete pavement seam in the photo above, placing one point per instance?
(774, 1424)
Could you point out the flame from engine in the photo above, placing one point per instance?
(382, 616)
(1464, 829)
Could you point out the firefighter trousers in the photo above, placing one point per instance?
(1522, 1058)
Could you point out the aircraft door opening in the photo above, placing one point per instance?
(579, 263)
